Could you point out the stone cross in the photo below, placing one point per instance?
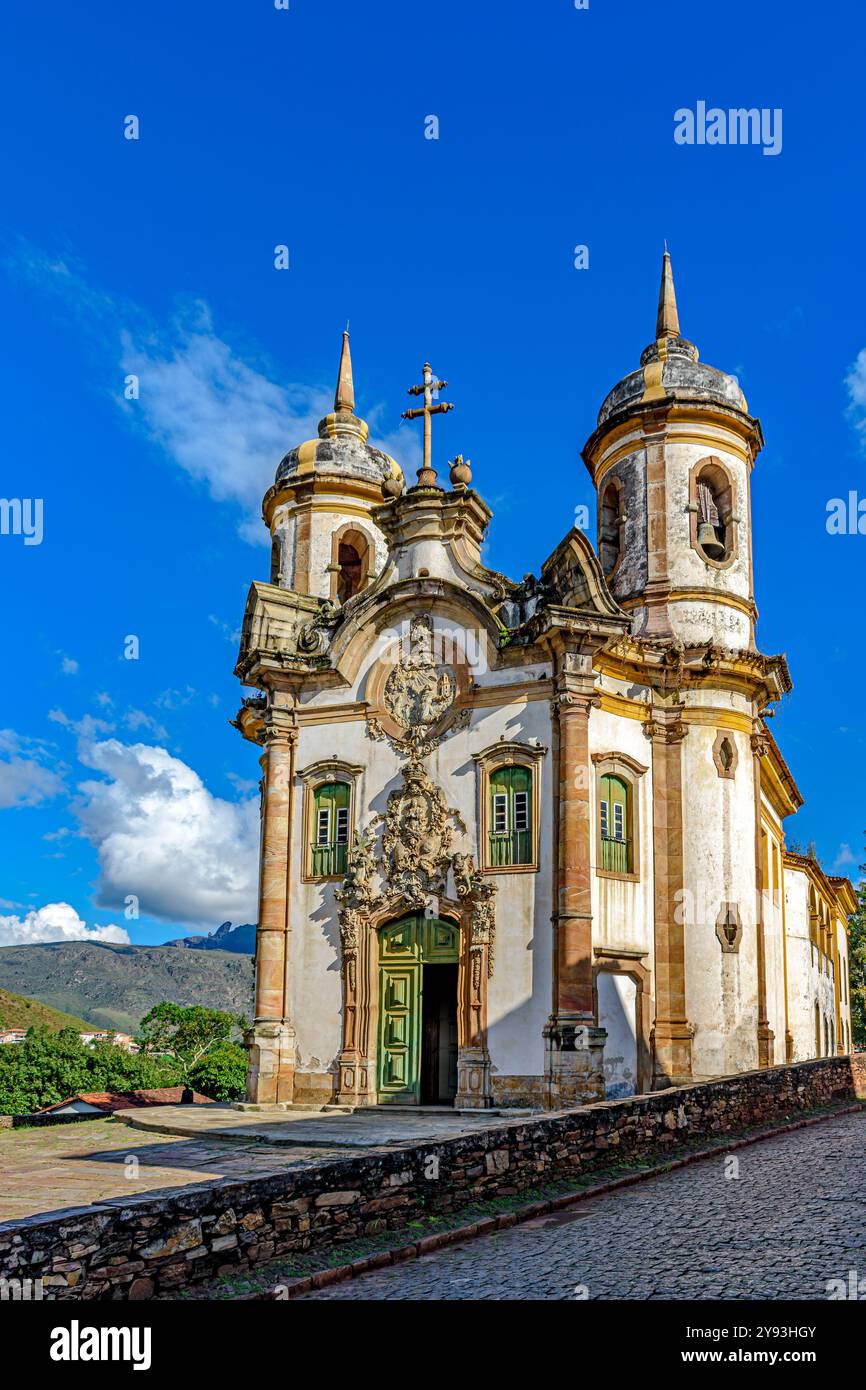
(426, 474)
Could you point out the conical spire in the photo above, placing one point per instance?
(667, 322)
(342, 420)
(345, 397)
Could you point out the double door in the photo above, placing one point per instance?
(418, 975)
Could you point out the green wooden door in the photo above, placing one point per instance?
(404, 947)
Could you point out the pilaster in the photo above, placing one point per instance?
(766, 1037)
(574, 1044)
(271, 1040)
(672, 1032)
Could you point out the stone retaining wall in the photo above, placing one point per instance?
(134, 1248)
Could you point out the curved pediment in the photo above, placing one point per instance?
(380, 620)
(573, 578)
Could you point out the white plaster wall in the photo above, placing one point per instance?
(807, 982)
(774, 947)
(719, 866)
(329, 515)
(623, 911)
(617, 995)
(696, 622)
(521, 990)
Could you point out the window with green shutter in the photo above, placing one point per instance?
(330, 827)
(615, 825)
(510, 817)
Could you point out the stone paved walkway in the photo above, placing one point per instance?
(793, 1219)
(43, 1170)
(362, 1129)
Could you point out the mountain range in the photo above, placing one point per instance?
(241, 938)
(115, 986)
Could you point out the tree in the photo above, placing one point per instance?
(49, 1067)
(857, 964)
(222, 1073)
(186, 1034)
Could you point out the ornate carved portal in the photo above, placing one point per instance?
(358, 1057)
(404, 861)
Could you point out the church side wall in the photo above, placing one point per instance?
(774, 929)
(840, 928)
(802, 971)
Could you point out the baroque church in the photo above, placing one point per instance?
(522, 844)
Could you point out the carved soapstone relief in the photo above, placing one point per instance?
(418, 692)
(410, 864)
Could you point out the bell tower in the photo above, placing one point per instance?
(671, 461)
(324, 541)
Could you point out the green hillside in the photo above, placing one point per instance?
(115, 986)
(18, 1012)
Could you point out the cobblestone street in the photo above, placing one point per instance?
(793, 1219)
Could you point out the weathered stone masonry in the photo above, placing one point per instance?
(123, 1250)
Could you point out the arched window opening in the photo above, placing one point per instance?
(610, 528)
(510, 823)
(330, 830)
(275, 561)
(726, 754)
(349, 578)
(713, 502)
(615, 825)
(350, 563)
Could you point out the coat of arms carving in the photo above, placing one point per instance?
(418, 692)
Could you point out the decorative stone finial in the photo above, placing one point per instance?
(345, 396)
(667, 320)
(342, 420)
(461, 473)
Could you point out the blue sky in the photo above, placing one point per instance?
(306, 127)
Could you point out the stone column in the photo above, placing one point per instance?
(575, 1044)
(672, 1032)
(271, 1040)
(766, 1037)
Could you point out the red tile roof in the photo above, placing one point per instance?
(109, 1101)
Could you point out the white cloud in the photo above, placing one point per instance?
(24, 778)
(85, 727)
(68, 665)
(55, 922)
(188, 856)
(243, 785)
(220, 418)
(844, 857)
(856, 383)
(136, 719)
(223, 417)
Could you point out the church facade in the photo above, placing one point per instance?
(522, 844)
